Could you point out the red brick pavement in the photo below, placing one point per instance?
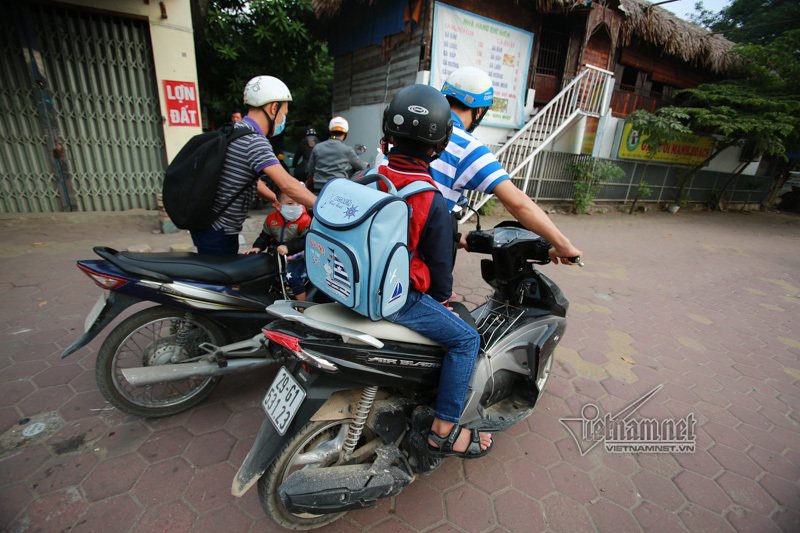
(705, 304)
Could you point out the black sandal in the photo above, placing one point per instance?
(445, 444)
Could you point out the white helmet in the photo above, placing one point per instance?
(262, 90)
(471, 86)
(339, 124)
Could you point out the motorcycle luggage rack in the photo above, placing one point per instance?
(496, 319)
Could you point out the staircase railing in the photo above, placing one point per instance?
(588, 94)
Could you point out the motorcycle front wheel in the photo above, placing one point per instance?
(155, 336)
(316, 445)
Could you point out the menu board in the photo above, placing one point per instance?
(462, 39)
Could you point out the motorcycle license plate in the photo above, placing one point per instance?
(283, 399)
(95, 312)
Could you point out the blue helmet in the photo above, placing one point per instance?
(471, 86)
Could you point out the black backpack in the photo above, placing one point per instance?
(190, 185)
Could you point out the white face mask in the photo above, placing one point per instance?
(291, 212)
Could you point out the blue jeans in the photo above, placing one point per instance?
(425, 315)
(296, 274)
(215, 242)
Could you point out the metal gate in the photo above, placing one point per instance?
(80, 123)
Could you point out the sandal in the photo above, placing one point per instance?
(445, 444)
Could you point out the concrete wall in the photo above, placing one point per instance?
(173, 52)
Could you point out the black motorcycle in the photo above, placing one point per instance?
(167, 358)
(348, 413)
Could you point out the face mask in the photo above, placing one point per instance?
(279, 128)
(291, 212)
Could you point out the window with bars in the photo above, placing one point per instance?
(552, 53)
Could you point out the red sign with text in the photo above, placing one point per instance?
(181, 97)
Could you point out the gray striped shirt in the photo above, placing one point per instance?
(246, 159)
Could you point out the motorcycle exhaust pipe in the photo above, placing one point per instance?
(150, 375)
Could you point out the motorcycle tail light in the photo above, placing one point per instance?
(104, 281)
(287, 341)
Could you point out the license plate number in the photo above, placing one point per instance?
(95, 312)
(283, 399)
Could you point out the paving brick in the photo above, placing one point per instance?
(564, 515)
(165, 444)
(774, 463)
(56, 511)
(420, 505)
(700, 462)
(123, 438)
(702, 491)
(696, 518)
(734, 461)
(658, 490)
(615, 486)
(115, 514)
(529, 478)
(651, 517)
(569, 480)
(784, 492)
(13, 499)
(62, 471)
(174, 517)
(20, 463)
(207, 418)
(209, 448)
(608, 516)
(469, 509)
(786, 519)
(487, 474)
(516, 512)
(113, 477)
(173, 473)
(206, 491)
(538, 449)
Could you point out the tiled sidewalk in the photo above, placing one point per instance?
(705, 304)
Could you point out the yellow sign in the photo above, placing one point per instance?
(687, 150)
(589, 135)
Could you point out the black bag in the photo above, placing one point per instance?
(190, 185)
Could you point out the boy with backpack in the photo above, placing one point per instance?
(418, 124)
(287, 227)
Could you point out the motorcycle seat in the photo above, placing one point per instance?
(225, 270)
(339, 315)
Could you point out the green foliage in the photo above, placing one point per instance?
(240, 39)
(751, 21)
(660, 128)
(488, 208)
(589, 176)
(644, 190)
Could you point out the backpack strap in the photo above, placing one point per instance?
(415, 187)
(231, 135)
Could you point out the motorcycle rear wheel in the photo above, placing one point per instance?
(314, 437)
(147, 338)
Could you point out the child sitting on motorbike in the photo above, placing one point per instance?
(417, 123)
(286, 227)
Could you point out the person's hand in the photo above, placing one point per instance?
(252, 251)
(282, 249)
(561, 254)
(462, 241)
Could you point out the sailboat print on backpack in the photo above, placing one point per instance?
(357, 246)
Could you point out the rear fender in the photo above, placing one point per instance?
(320, 388)
(115, 304)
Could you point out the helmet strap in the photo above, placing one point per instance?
(272, 119)
(477, 115)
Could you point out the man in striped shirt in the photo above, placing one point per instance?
(248, 158)
(468, 164)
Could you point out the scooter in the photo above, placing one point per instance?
(165, 359)
(348, 413)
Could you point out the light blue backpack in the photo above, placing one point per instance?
(357, 245)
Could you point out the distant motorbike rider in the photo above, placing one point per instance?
(332, 158)
(303, 153)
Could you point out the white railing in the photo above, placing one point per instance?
(589, 94)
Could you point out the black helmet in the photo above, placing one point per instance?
(311, 131)
(419, 113)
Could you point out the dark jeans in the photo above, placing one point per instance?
(215, 242)
(425, 315)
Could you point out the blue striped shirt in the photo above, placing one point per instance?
(465, 164)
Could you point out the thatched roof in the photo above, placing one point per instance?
(677, 37)
(651, 24)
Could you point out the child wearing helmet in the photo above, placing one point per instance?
(469, 165)
(417, 123)
(332, 158)
(247, 159)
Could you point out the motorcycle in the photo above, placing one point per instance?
(348, 412)
(165, 359)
